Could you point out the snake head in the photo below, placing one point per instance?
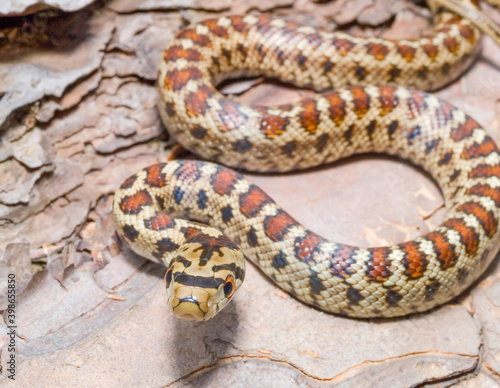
(204, 276)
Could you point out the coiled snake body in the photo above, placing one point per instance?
(353, 116)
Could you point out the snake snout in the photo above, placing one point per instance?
(190, 303)
(189, 309)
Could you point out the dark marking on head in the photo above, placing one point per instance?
(165, 245)
(197, 281)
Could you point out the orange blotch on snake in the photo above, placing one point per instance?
(388, 99)
(253, 201)
(196, 103)
(309, 117)
(480, 149)
(469, 237)
(377, 50)
(464, 130)
(133, 204)
(485, 171)
(361, 101)
(178, 52)
(215, 28)
(223, 181)
(275, 227)
(177, 79)
(336, 110)
(485, 191)
(445, 252)
(414, 261)
(379, 264)
(305, 247)
(343, 45)
(486, 218)
(160, 221)
(191, 34)
(272, 125)
(407, 52)
(155, 177)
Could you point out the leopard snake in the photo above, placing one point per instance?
(206, 264)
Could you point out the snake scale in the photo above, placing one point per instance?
(350, 116)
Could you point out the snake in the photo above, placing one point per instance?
(201, 219)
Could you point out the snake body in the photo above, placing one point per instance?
(353, 116)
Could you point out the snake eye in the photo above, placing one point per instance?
(168, 277)
(229, 287)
